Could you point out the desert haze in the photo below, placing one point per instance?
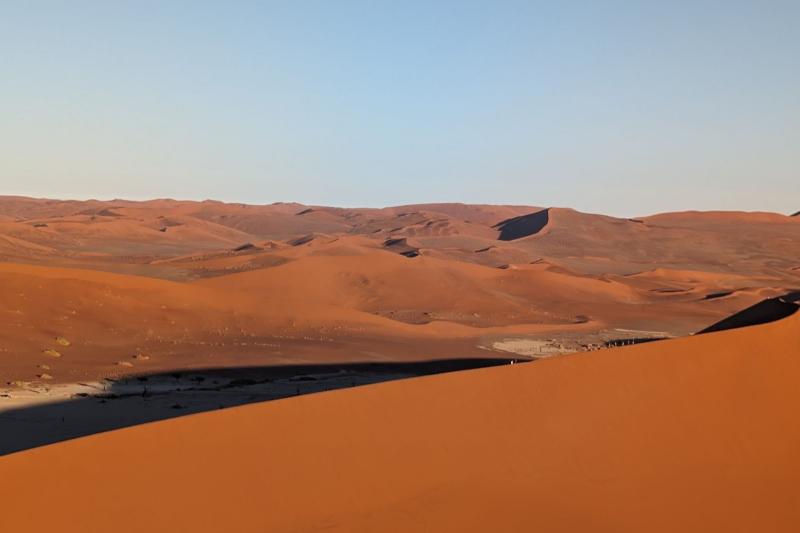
(658, 390)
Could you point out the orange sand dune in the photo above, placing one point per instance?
(696, 434)
(210, 283)
(319, 308)
(692, 217)
(145, 232)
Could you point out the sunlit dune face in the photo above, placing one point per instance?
(208, 284)
(694, 434)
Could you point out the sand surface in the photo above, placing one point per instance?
(38, 415)
(693, 434)
(118, 313)
(94, 290)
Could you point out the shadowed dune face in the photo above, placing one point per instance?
(760, 313)
(696, 434)
(200, 284)
(76, 410)
(523, 226)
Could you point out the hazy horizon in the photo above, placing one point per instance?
(624, 109)
(381, 206)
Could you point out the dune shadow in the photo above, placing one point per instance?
(523, 226)
(137, 399)
(763, 312)
(401, 246)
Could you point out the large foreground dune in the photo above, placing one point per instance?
(693, 434)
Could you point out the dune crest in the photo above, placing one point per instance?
(209, 284)
(693, 434)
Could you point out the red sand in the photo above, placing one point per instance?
(210, 284)
(694, 434)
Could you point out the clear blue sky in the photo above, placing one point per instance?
(624, 108)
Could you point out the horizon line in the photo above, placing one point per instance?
(387, 206)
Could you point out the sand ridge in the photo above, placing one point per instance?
(691, 434)
(193, 284)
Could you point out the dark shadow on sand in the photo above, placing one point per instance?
(765, 311)
(145, 398)
(523, 226)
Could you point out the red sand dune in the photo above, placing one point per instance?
(693, 434)
(208, 283)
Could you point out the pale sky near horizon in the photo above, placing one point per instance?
(623, 108)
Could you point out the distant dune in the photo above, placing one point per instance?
(696, 434)
(194, 284)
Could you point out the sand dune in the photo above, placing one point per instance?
(142, 232)
(691, 434)
(321, 308)
(209, 283)
(694, 434)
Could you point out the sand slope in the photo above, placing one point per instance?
(212, 284)
(121, 233)
(694, 434)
